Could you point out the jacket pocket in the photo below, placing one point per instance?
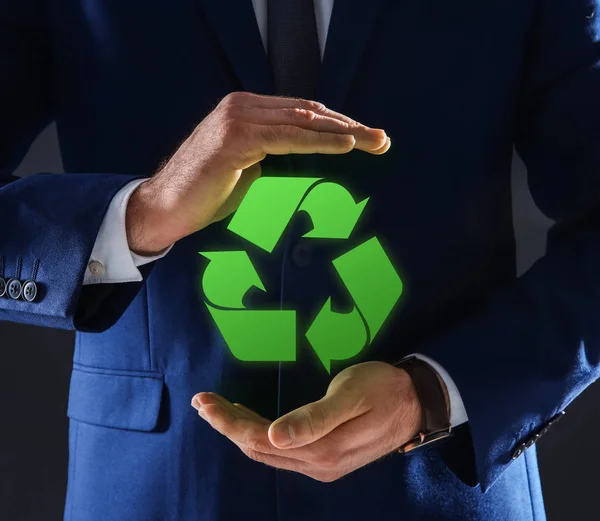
(128, 400)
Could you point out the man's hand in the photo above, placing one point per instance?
(210, 173)
(369, 410)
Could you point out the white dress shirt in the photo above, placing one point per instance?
(112, 261)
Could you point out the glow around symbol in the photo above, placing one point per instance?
(366, 271)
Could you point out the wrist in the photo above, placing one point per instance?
(432, 395)
(147, 222)
(411, 410)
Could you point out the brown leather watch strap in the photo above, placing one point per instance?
(435, 403)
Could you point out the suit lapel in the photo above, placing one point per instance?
(234, 23)
(351, 26)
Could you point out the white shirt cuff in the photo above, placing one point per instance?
(458, 413)
(111, 260)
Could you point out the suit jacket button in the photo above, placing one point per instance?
(2, 287)
(531, 442)
(14, 289)
(518, 452)
(30, 291)
(301, 253)
(96, 268)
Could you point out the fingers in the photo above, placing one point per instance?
(246, 428)
(258, 101)
(383, 149)
(288, 139)
(241, 427)
(279, 462)
(237, 426)
(281, 112)
(269, 102)
(367, 139)
(251, 414)
(203, 400)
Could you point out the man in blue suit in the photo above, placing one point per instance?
(110, 248)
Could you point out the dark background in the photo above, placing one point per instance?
(36, 365)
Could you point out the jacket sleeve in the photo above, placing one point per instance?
(49, 221)
(533, 346)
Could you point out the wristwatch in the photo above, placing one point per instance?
(435, 403)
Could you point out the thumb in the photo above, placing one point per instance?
(233, 201)
(315, 420)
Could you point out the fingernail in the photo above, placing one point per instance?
(196, 403)
(283, 434)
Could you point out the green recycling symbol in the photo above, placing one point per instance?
(270, 335)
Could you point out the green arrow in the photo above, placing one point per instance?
(258, 336)
(366, 271)
(371, 280)
(333, 211)
(227, 278)
(267, 209)
(336, 336)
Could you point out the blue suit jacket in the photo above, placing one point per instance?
(455, 85)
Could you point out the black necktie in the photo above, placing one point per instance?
(293, 47)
